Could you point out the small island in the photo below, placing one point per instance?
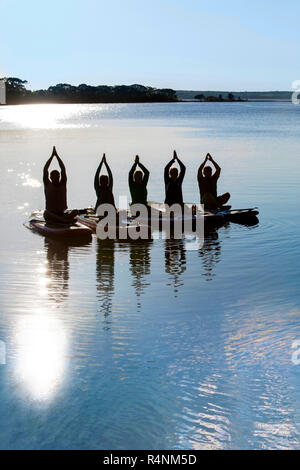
(17, 93)
(219, 98)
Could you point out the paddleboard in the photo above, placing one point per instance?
(60, 230)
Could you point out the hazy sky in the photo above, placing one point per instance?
(182, 44)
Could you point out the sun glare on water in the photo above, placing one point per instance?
(42, 347)
(42, 116)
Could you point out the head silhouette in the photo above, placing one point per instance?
(207, 171)
(173, 173)
(55, 176)
(104, 180)
(138, 176)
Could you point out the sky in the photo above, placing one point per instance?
(180, 44)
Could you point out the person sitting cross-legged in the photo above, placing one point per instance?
(55, 188)
(208, 186)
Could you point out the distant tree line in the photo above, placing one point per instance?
(17, 93)
(230, 97)
(245, 95)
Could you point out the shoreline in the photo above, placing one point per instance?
(152, 102)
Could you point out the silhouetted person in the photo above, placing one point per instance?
(208, 186)
(173, 182)
(55, 189)
(138, 181)
(104, 185)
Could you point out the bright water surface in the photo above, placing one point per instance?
(152, 345)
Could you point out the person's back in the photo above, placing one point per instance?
(55, 187)
(138, 183)
(56, 196)
(104, 195)
(173, 182)
(207, 184)
(104, 186)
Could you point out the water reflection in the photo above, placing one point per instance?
(210, 252)
(42, 349)
(41, 335)
(140, 265)
(57, 270)
(105, 272)
(42, 116)
(55, 281)
(175, 261)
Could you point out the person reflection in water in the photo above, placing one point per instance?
(210, 253)
(175, 261)
(208, 186)
(55, 188)
(105, 271)
(57, 269)
(140, 266)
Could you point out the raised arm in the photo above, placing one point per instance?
(131, 173)
(201, 168)
(181, 165)
(167, 169)
(146, 173)
(46, 170)
(96, 179)
(61, 166)
(110, 176)
(217, 168)
(46, 167)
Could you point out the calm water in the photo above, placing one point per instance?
(152, 345)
